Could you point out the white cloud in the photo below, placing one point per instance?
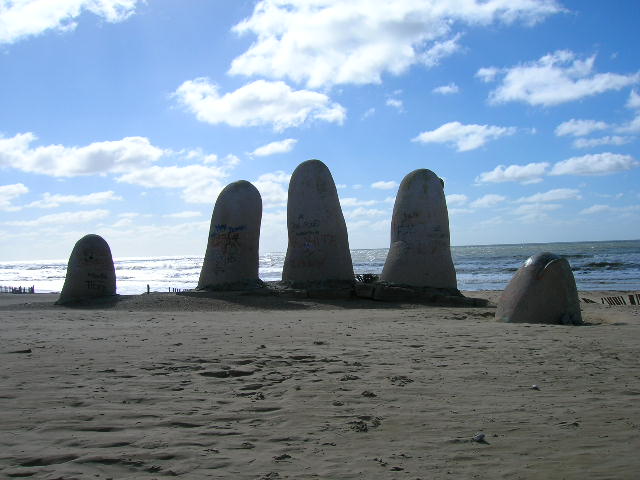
(8, 193)
(368, 113)
(366, 226)
(199, 183)
(60, 161)
(230, 161)
(196, 154)
(440, 50)
(609, 209)
(488, 200)
(533, 212)
(595, 209)
(632, 127)
(273, 188)
(594, 164)
(552, 196)
(556, 78)
(281, 146)
(63, 218)
(20, 19)
(257, 103)
(457, 199)
(125, 219)
(276, 217)
(326, 42)
(395, 103)
(382, 185)
(446, 89)
(617, 196)
(131, 158)
(491, 222)
(130, 215)
(211, 158)
(459, 211)
(123, 222)
(464, 137)
(597, 142)
(49, 200)
(579, 128)
(354, 202)
(364, 212)
(184, 214)
(487, 74)
(530, 173)
(634, 100)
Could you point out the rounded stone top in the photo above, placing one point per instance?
(240, 185)
(311, 176)
(540, 261)
(420, 172)
(92, 237)
(93, 245)
(312, 163)
(239, 195)
(423, 175)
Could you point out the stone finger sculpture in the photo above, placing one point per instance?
(420, 252)
(318, 249)
(543, 290)
(231, 259)
(90, 271)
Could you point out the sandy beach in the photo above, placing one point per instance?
(166, 385)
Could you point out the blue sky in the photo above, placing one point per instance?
(126, 118)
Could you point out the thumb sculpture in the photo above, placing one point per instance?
(90, 271)
(543, 290)
(231, 259)
(318, 249)
(420, 251)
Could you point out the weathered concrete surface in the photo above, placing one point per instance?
(543, 290)
(318, 250)
(90, 271)
(420, 252)
(231, 258)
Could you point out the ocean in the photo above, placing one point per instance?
(613, 265)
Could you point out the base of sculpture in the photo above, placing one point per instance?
(361, 288)
(92, 302)
(243, 285)
(391, 292)
(324, 289)
(364, 288)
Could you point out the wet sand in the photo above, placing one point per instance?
(162, 385)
